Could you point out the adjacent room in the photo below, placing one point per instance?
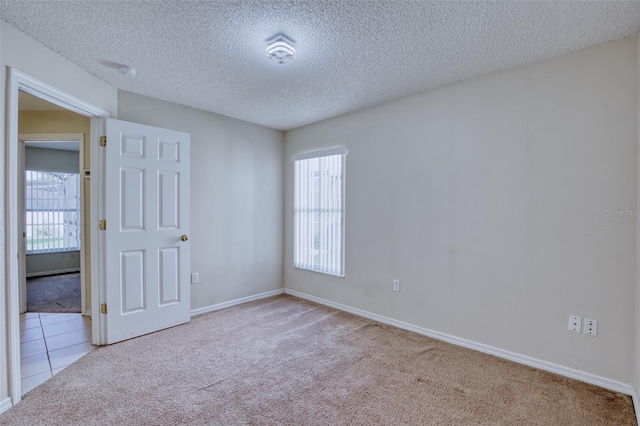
(319, 212)
(55, 325)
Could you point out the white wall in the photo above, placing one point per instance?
(236, 198)
(27, 55)
(487, 199)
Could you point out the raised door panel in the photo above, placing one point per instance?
(133, 146)
(132, 199)
(169, 151)
(168, 200)
(169, 275)
(133, 281)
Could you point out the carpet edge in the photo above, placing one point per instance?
(561, 370)
(234, 302)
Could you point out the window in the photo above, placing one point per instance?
(52, 207)
(319, 211)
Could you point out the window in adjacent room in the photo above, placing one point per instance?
(318, 206)
(52, 211)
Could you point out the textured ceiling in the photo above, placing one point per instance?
(351, 53)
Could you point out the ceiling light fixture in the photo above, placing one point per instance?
(280, 49)
(126, 70)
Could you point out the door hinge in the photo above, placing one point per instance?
(103, 308)
(102, 225)
(103, 141)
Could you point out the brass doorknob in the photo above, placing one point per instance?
(184, 238)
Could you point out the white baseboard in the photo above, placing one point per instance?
(217, 307)
(522, 359)
(5, 404)
(56, 272)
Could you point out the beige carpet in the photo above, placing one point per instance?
(283, 361)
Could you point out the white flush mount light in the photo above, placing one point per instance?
(280, 49)
(127, 70)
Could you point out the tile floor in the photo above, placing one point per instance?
(49, 343)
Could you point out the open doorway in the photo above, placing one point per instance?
(55, 327)
(52, 221)
(18, 81)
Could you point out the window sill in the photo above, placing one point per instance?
(319, 272)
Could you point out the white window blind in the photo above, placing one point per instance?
(319, 211)
(52, 207)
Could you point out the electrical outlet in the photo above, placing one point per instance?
(195, 277)
(590, 327)
(396, 285)
(574, 323)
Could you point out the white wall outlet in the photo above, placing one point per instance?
(590, 327)
(574, 323)
(195, 277)
(396, 285)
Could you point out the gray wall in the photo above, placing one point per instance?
(51, 160)
(52, 263)
(499, 203)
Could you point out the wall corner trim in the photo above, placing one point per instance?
(636, 404)
(218, 306)
(5, 404)
(501, 353)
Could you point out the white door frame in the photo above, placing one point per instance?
(18, 80)
(52, 139)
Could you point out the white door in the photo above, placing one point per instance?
(146, 186)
